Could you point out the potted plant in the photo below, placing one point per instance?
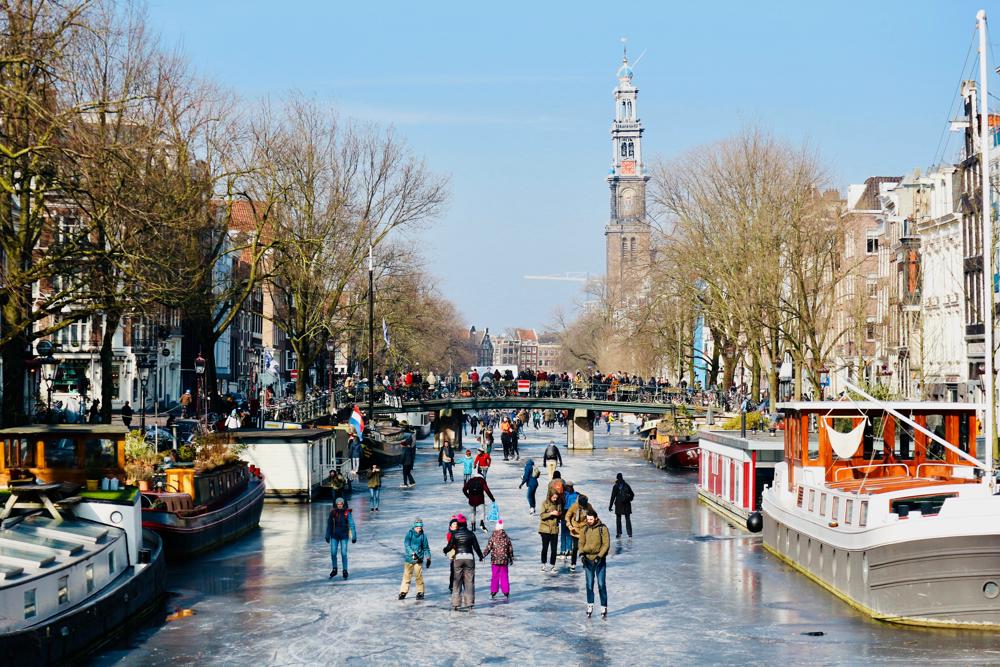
(92, 473)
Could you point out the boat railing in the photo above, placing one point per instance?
(970, 471)
(868, 467)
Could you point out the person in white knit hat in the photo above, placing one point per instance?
(501, 552)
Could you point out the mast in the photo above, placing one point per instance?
(371, 337)
(984, 167)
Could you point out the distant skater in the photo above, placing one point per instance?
(530, 477)
(446, 459)
(374, 488)
(552, 459)
(621, 502)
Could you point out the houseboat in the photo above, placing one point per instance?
(383, 444)
(197, 511)
(887, 506)
(76, 567)
(294, 462)
(734, 469)
(667, 447)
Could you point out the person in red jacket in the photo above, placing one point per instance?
(482, 463)
(476, 491)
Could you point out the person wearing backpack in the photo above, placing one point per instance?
(530, 477)
(621, 502)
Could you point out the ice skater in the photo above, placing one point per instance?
(501, 552)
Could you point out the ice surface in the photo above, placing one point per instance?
(690, 589)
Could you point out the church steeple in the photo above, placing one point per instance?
(627, 233)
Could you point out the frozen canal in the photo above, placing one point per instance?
(688, 590)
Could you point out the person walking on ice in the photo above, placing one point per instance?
(468, 464)
(340, 527)
(417, 555)
(476, 491)
(530, 477)
(621, 502)
(595, 542)
(501, 552)
(552, 458)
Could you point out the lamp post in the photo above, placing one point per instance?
(199, 370)
(330, 347)
(143, 364)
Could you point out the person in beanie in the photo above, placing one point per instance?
(530, 477)
(501, 552)
(415, 551)
(468, 464)
(340, 527)
(466, 548)
(595, 542)
(621, 501)
(476, 491)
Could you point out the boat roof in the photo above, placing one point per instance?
(281, 433)
(59, 429)
(38, 545)
(880, 406)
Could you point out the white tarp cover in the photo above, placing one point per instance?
(845, 444)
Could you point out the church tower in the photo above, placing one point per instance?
(627, 234)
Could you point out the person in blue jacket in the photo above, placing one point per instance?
(468, 464)
(530, 477)
(340, 527)
(416, 551)
(565, 539)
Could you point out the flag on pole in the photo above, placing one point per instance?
(357, 421)
(385, 333)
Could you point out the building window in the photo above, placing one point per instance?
(872, 285)
(871, 245)
(633, 247)
(30, 608)
(870, 331)
(63, 589)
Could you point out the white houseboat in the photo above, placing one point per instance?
(76, 567)
(733, 470)
(294, 462)
(887, 506)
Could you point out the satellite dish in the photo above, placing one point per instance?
(267, 377)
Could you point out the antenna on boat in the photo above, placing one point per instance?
(989, 425)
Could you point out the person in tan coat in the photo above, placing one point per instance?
(548, 529)
(576, 519)
(595, 542)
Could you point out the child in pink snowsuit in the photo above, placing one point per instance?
(501, 553)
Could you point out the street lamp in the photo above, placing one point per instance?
(144, 363)
(199, 370)
(330, 347)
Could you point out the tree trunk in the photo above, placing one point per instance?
(111, 321)
(13, 355)
(755, 375)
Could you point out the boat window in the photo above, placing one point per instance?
(60, 453)
(863, 519)
(848, 510)
(111, 562)
(875, 437)
(926, 505)
(935, 450)
(812, 499)
(89, 575)
(63, 589)
(30, 608)
(99, 453)
(801, 493)
(963, 432)
(822, 505)
(18, 453)
(835, 508)
(902, 446)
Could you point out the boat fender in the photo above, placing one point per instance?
(755, 522)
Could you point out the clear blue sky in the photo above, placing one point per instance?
(512, 102)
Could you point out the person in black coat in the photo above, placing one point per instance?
(409, 457)
(621, 502)
(466, 547)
